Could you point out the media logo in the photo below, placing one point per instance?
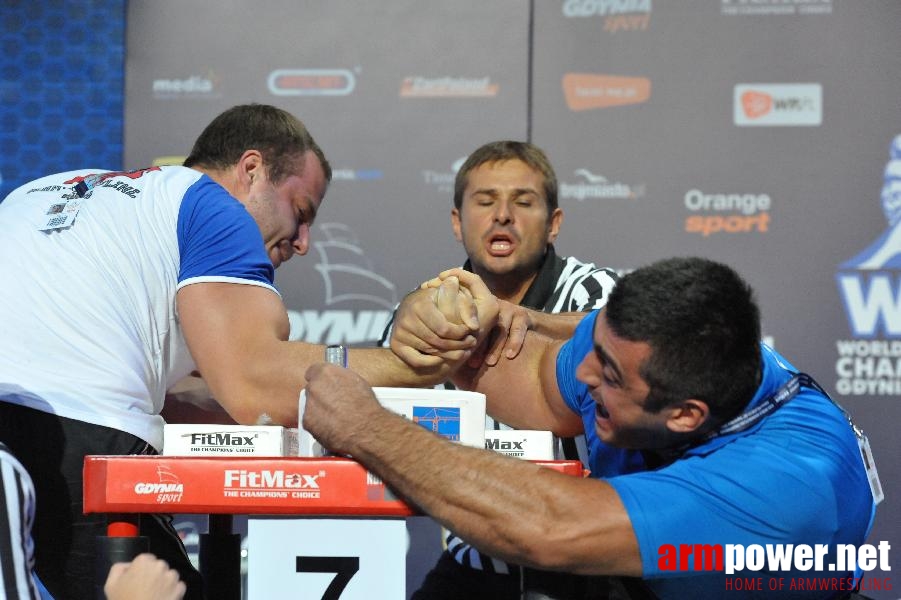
(776, 7)
(443, 421)
(311, 82)
(193, 86)
(774, 105)
(588, 91)
(870, 287)
(448, 87)
(618, 15)
(727, 213)
(598, 187)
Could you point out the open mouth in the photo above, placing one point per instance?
(500, 245)
(601, 412)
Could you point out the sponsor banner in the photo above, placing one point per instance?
(202, 87)
(311, 82)
(590, 186)
(726, 213)
(242, 485)
(869, 285)
(617, 15)
(776, 104)
(590, 91)
(776, 7)
(447, 87)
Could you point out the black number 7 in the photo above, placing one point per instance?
(344, 568)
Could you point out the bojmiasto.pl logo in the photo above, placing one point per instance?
(618, 15)
(717, 213)
(869, 363)
(589, 186)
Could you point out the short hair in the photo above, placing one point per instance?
(280, 137)
(503, 150)
(703, 326)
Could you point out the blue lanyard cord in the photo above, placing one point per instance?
(779, 398)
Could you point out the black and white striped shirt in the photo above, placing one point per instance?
(563, 284)
(17, 501)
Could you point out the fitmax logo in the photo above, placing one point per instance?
(498, 445)
(222, 439)
(269, 479)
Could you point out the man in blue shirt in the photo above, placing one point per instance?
(739, 448)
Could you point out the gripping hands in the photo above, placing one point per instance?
(455, 318)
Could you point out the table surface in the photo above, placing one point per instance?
(245, 485)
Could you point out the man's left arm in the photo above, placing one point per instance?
(511, 509)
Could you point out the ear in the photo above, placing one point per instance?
(250, 166)
(554, 224)
(455, 224)
(687, 416)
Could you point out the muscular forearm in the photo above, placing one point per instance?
(522, 392)
(508, 508)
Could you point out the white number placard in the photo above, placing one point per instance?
(326, 559)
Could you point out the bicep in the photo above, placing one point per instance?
(522, 391)
(229, 326)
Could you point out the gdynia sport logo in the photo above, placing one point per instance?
(783, 566)
(870, 287)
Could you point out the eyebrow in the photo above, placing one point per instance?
(608, 360)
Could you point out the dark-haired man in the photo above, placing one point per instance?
(507, 217)
(742, 450)
(117, 284)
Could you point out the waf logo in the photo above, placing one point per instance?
(870, 288)
(588, 91)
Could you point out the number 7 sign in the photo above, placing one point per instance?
(326, 559)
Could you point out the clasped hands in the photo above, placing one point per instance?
(454, 319)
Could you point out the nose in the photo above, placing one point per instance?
(584, 373)
(502, 212)
(301, 243)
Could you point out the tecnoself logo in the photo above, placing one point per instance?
(774, 105)
(805, 566)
